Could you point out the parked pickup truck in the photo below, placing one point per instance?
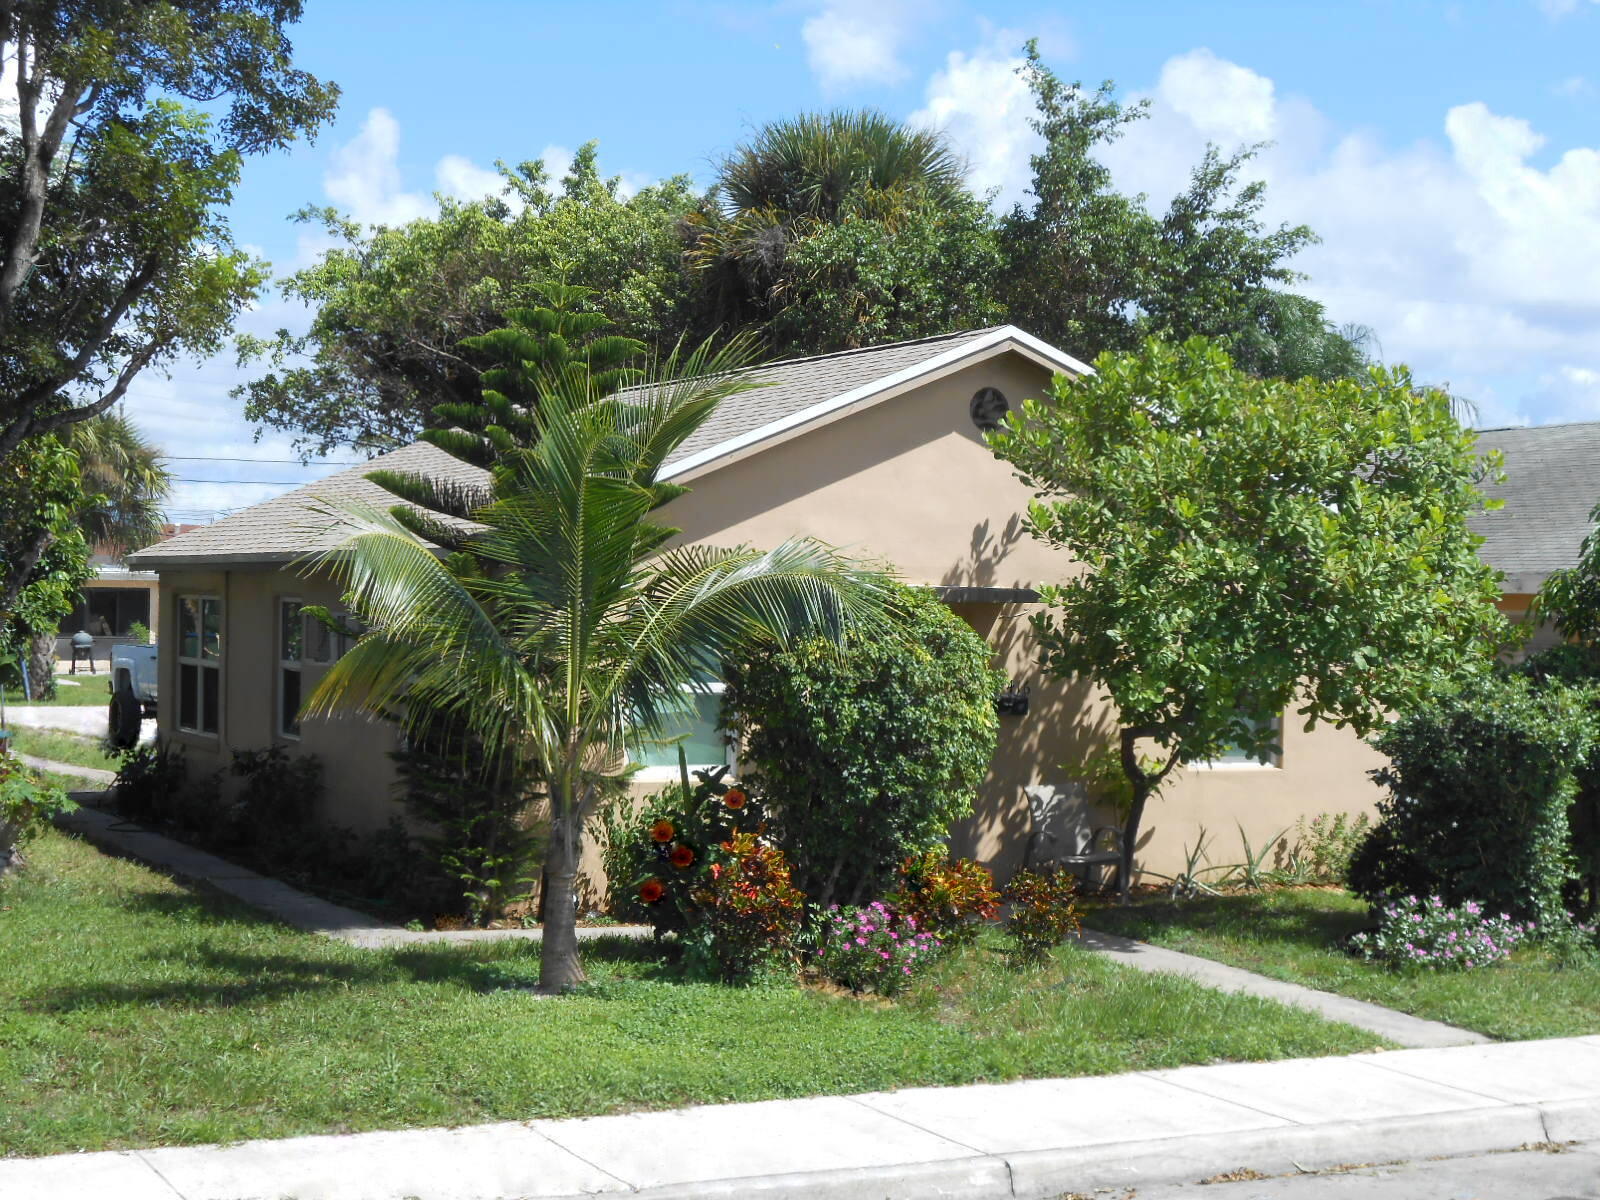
(133, 692)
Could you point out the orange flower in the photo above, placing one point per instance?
(735, 798)
(681, 856)
(651, 890)
(663, 832)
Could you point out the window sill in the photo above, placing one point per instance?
(1235, 766)
(671, 775)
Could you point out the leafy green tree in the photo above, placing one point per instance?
(43, 555)
(829, 231)
(1092, 269)
(1247, 545)
(113, 251)
(563, 620)
(122, 486)
(1569, 599)
(394, 307)
(866, 753)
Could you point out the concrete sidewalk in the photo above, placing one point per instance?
(1027, 1140)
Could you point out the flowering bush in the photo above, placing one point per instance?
(25, 806)
(1429, 933)
(1043, 912)
(946, 898)
(873, 948)
(743, 913)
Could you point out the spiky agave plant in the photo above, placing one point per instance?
(561, 622)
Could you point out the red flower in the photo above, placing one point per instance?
(651, 890)
(681, 856)
(663, 832)
(735, 798)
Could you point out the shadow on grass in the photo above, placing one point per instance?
(217, 975)
(1248, 917)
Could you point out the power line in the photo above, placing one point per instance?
(250, 482)
(295, 462)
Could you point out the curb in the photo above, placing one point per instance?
(1047, 1174)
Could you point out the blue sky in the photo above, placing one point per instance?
(1448, 154)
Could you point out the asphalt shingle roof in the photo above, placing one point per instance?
(287, 526)
(290, 525)
(1552, 483)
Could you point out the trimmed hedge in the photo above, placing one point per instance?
(1479, 790)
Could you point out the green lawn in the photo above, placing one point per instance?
(91, 690)
(1293, 934)
(134, 1011)
(62, 747)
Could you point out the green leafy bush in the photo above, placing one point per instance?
(948, 898)
(1479, 788)
(483, 845)
(26, 804)
(866, 753)
(1577, 666)
(743, 914)
(150, 780)
(1324, 847)
(1044, 912)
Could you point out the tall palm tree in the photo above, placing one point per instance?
(124, 472)
(799, 175)
(561, 621)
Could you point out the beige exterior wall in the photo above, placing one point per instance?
(911, 480)
(358, 774)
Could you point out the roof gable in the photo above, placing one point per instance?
(799, 394)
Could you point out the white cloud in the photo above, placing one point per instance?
(1556, 9)
(1574, 87)
(364, 178)
(984, 105)
(1474, 255)
(466, 180)
(855, 42)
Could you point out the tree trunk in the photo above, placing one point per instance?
(1144, 786)
(560, 969)
(42, 666)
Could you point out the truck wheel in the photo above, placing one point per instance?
(122, 726)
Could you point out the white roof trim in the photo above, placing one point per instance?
(994, 340)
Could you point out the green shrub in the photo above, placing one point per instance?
(1479, 788)
(484, 843)
(1044, 912)
(26, 805)
(1579, 667)
(150, 780)
(1323, 848)
(867, 753)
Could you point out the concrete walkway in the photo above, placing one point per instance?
(92, 774)
(1029, 1140)
(274, 897)
(1399, 1028)
(83, 720)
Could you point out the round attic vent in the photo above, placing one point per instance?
(988, 406)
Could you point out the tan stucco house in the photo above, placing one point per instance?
(879, 451)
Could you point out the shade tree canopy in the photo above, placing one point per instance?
(1249, 548)
(131, 122)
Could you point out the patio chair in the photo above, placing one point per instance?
(1061, 834)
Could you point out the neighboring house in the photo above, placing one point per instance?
(879, 451)
(114, 601)
(1552, 484)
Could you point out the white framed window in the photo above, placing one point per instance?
(199, 664)
(1236, 757)
(692, 724)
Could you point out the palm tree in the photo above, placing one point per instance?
(561, 621)
(802, 174)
